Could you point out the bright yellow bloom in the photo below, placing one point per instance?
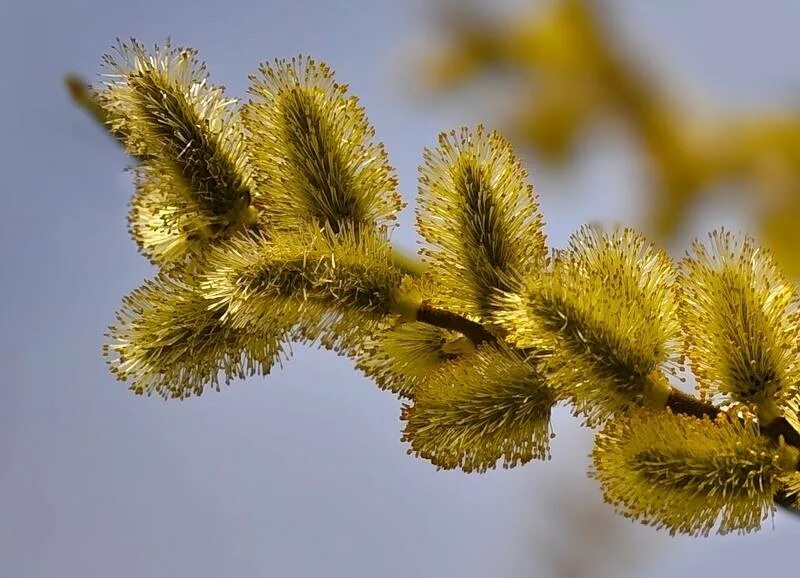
(480, 219)
(741, 326)
(191, 144)
(169, 342)
(606, 315)
(313, 150)
(331, 287)
(487, 407)
(690, 475)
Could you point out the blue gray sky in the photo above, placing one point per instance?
(301, 474)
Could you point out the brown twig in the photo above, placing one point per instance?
(443, 319)
(677, 401)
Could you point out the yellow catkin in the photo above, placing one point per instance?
(168, 342)
(402, 357)
(190, 142)
(334, 289)
(482, 409)
(313, 149)
(741, 327)
(479, 217)
(689, 475)
(605, 317)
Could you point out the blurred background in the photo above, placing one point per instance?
(676, 117)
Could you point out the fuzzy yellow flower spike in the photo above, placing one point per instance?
(195, 182)
(690, 475)
(168, 342)
(606, 317)
(480, 218)
(313, 150)
(331, 288)
(484, 408)
(741, 326)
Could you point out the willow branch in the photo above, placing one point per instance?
(478, 334)
(443, 319)
(681, 402)
(677, 401)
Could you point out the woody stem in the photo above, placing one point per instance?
(677, 400)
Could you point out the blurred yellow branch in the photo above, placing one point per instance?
(576, 70)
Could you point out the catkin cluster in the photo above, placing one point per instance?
(270, 223)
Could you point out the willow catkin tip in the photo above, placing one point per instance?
(605, 315)
(479, 217)
(484, 408)
(689, 475)
(314, 150)
(741, 326)
(168, 342)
